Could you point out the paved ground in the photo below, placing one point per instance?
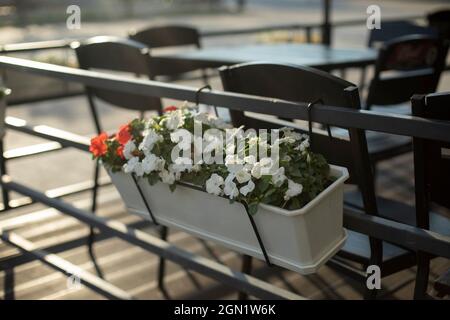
(131, 268)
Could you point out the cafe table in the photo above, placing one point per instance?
(313, 55)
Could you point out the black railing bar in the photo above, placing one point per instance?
(214, 270)
(335, 116)
(89, 280)
(404, 235)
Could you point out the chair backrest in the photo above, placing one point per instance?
(406, 66)
(167, 36)
(390, 30)
(431, 158)
(303, 84)
(440, 20)
(121, 55)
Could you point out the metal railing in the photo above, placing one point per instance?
(406, 236)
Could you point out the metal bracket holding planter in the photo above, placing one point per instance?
(187, 185)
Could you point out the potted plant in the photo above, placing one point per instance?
(271, 197)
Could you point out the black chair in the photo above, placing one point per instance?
(440, 20)
(170, 36)
(125, 56)
(167, 36)
(119, 55)
(301, 84)
(390, 30)
(432, 179)
(405, 66)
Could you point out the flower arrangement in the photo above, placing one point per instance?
(288, 178)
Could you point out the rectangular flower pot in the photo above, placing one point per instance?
(300, 240)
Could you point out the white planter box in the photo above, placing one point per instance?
(300, 240)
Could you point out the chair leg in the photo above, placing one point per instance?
(5, 193)
(246, 267)
(423, 272)
(162, 262)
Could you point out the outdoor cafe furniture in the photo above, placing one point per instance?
(284, 82)
(170, 36)
(431, 175)
(405, 66)
(313, 55)
(440, 20)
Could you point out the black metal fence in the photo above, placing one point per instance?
(407, 236)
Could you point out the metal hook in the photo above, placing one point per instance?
(198, 92)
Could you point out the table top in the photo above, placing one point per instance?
(314, 55)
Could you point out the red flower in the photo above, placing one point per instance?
(170, 108)
(119, 152)
(124, 135)
(98, 145)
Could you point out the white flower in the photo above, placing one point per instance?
(150, 139)
(183, 138)
(294, 189)
(243, 176)
(256, 170)
(128, 150)
(197, 167)
(151, 163)
(211, 143)
(266, 165)
(181, 164)
(278, 177)
(303, 146)
(230, 188)
(233, 163)
(213, 184)
(149, 123)
(247, 188)
(290, 135)
(174, 120)
(203, 117)
(131, 165)
(139, 169)
(167, 177)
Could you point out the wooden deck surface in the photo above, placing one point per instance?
(134, 270)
